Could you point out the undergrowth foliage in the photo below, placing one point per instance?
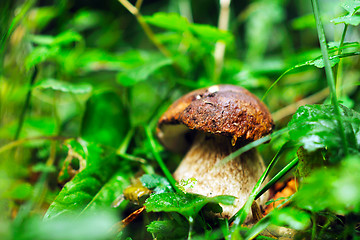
(82, 86)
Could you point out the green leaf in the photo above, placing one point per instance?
(61, 39)
(319, 62)
(99, 60)
(187, 204)
(352, 6)
(105, 120)
(42, 167)
(170, 21)
(291, 217)
(316, 127)
(21, 191)
(94, 226)
(348, 19)
(66, 38)
(61, 86)
(40, 54)
(42, 16)
(167, 229)
(132, 76)
(86, 189)
(308, 162)
(85, 19)
(211, 34)
(156, 183)
(336, 189)
(110, 190)
(175, 22)
(304, 22)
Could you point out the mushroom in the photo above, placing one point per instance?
(209, 124)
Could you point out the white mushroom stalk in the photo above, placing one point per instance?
(236, 178)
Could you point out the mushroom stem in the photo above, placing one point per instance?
(236, 178)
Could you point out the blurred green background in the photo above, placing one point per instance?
(87, 69)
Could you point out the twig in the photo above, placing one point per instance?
(149, 33)
(132, 158)
(24, 140)
(138, 4)
(223, 24)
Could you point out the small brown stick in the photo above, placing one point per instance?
(149, 33)
(119, 226)
(132, 216)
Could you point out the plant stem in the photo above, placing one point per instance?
(276, 81)
(308, 63)
(125, 143)
(159, 160)
(241, 215)
(279, 175)
(223, 24)
(149, 33)
(329, 73)
(26, 105)
(191, 225)
(19, 16)
(251, 145)
(138, 4)
(342, 38)
(290, 109)
(24, 140)
(313, 232)
(185, 9)
(336, 71)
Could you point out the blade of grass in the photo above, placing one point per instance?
(329, 73)
(279, 175)
(125, 143)
(308, 63)
(159, 159)
(337, 73)
(19, 16)
(277, 80)
(241, 215)
(264, 222)
(251, 145)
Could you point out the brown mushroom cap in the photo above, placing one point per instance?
(220, 109)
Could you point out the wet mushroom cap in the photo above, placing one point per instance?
(226, 110)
